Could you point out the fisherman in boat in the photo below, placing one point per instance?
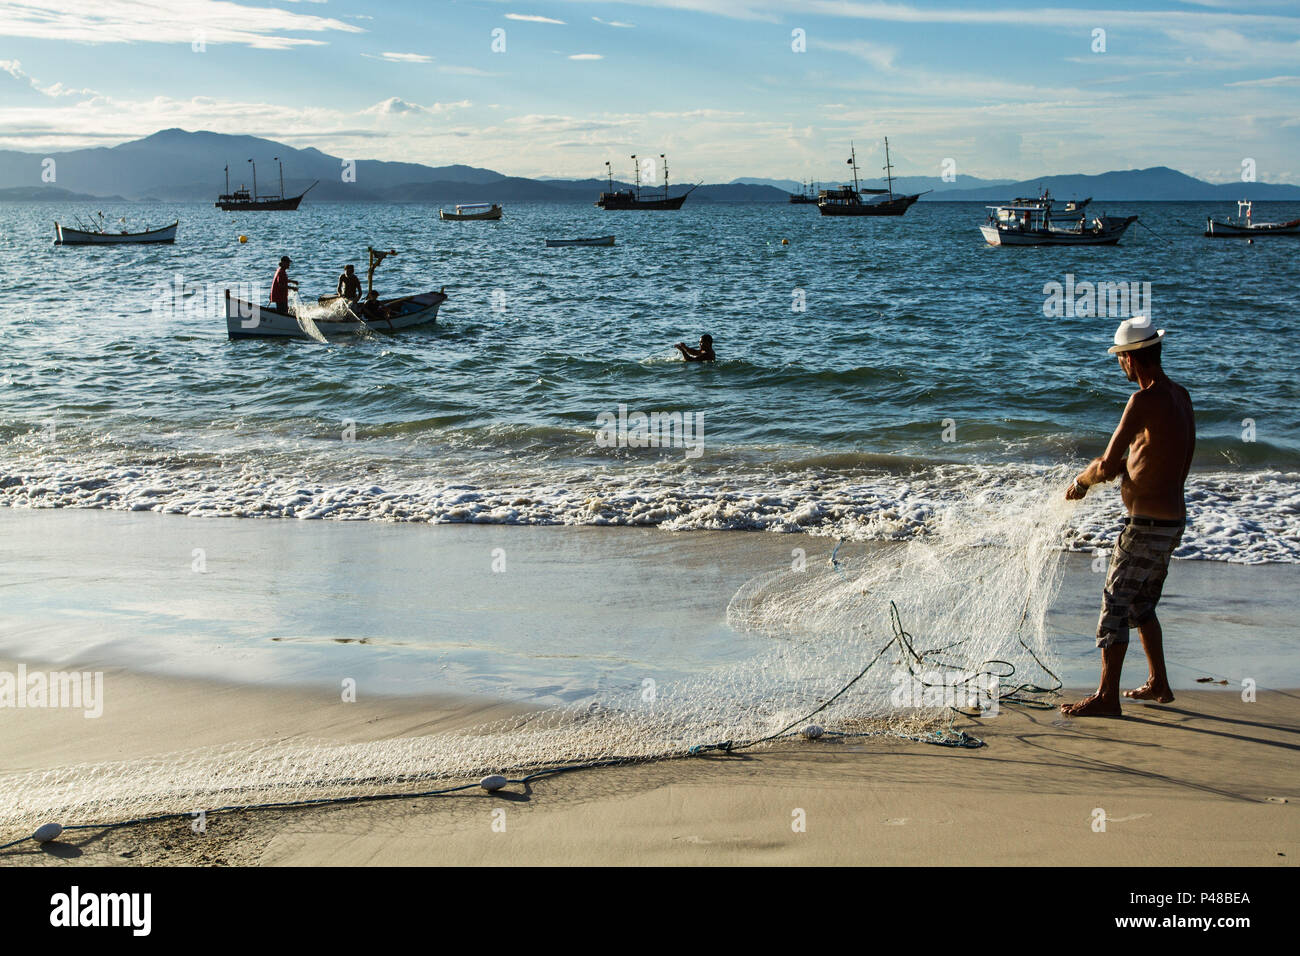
(1158, 432)
(281, 284)
(703, 354)
(349, 285)
(371, 309)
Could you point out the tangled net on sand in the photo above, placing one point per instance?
(862, 645)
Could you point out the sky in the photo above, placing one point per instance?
(726, 88)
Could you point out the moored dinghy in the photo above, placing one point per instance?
(1245, 227)
(472, 212)
(596, 241)
(96, 234)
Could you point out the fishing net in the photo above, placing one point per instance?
(309, 313)
(884, 641)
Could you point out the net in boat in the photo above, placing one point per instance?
(308, 314)
(857, 646)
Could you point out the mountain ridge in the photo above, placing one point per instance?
(176, 165)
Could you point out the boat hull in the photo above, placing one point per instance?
(564, 243)
(1218, 229)
(890, 207)
(262, 205)
(1108, 235)
(615, 205)
(247, 320)
(491, 215)
(63, 236)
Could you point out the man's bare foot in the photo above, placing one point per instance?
(1161, 695)
(1093, 706)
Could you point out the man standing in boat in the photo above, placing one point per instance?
(281, 284)
(1158, 431)
(349, 285)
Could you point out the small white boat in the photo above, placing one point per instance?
(596, 241)
(1034, 224)
(1244, 227)
(98, 235)
(472, 212)
(248, 320)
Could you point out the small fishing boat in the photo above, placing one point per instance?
(597, 241)
(241, 200)
(96, 234)
(248, 320)
(1244, 227)
(472, 212)
(848, 202)
(1033, 225)
(624, 199)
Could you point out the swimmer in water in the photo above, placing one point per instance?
(703, 354)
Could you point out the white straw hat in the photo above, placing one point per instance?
(1135, 333)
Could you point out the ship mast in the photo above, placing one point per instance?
(227, 178)
(664, 158)
(609, 170)
(888, 169)
(277, 159)
(853, 161)
(636, 170)
(254, 181)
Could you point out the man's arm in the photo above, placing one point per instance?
(1111, 464)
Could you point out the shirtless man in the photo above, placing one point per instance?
(1158, 430)
(703, 354)
(349, 285)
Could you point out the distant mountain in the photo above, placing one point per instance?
(51, 194)
(175, 165)
(1159, 183)
(904, 184)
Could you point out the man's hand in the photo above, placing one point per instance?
(1076, 491)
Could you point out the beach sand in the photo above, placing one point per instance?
(1207, 780)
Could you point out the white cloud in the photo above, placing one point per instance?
(532, 18)
(614, 23)
(401, 57)
(1269, 81)
(465, 71)
(15, 69)
(396, 106)
(163, 21)
(586, 56)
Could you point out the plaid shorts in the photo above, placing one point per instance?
(1136, 577)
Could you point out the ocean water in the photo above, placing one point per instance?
(868, 371)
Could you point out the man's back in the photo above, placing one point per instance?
(1160, 453)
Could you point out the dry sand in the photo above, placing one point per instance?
(1207, 780)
